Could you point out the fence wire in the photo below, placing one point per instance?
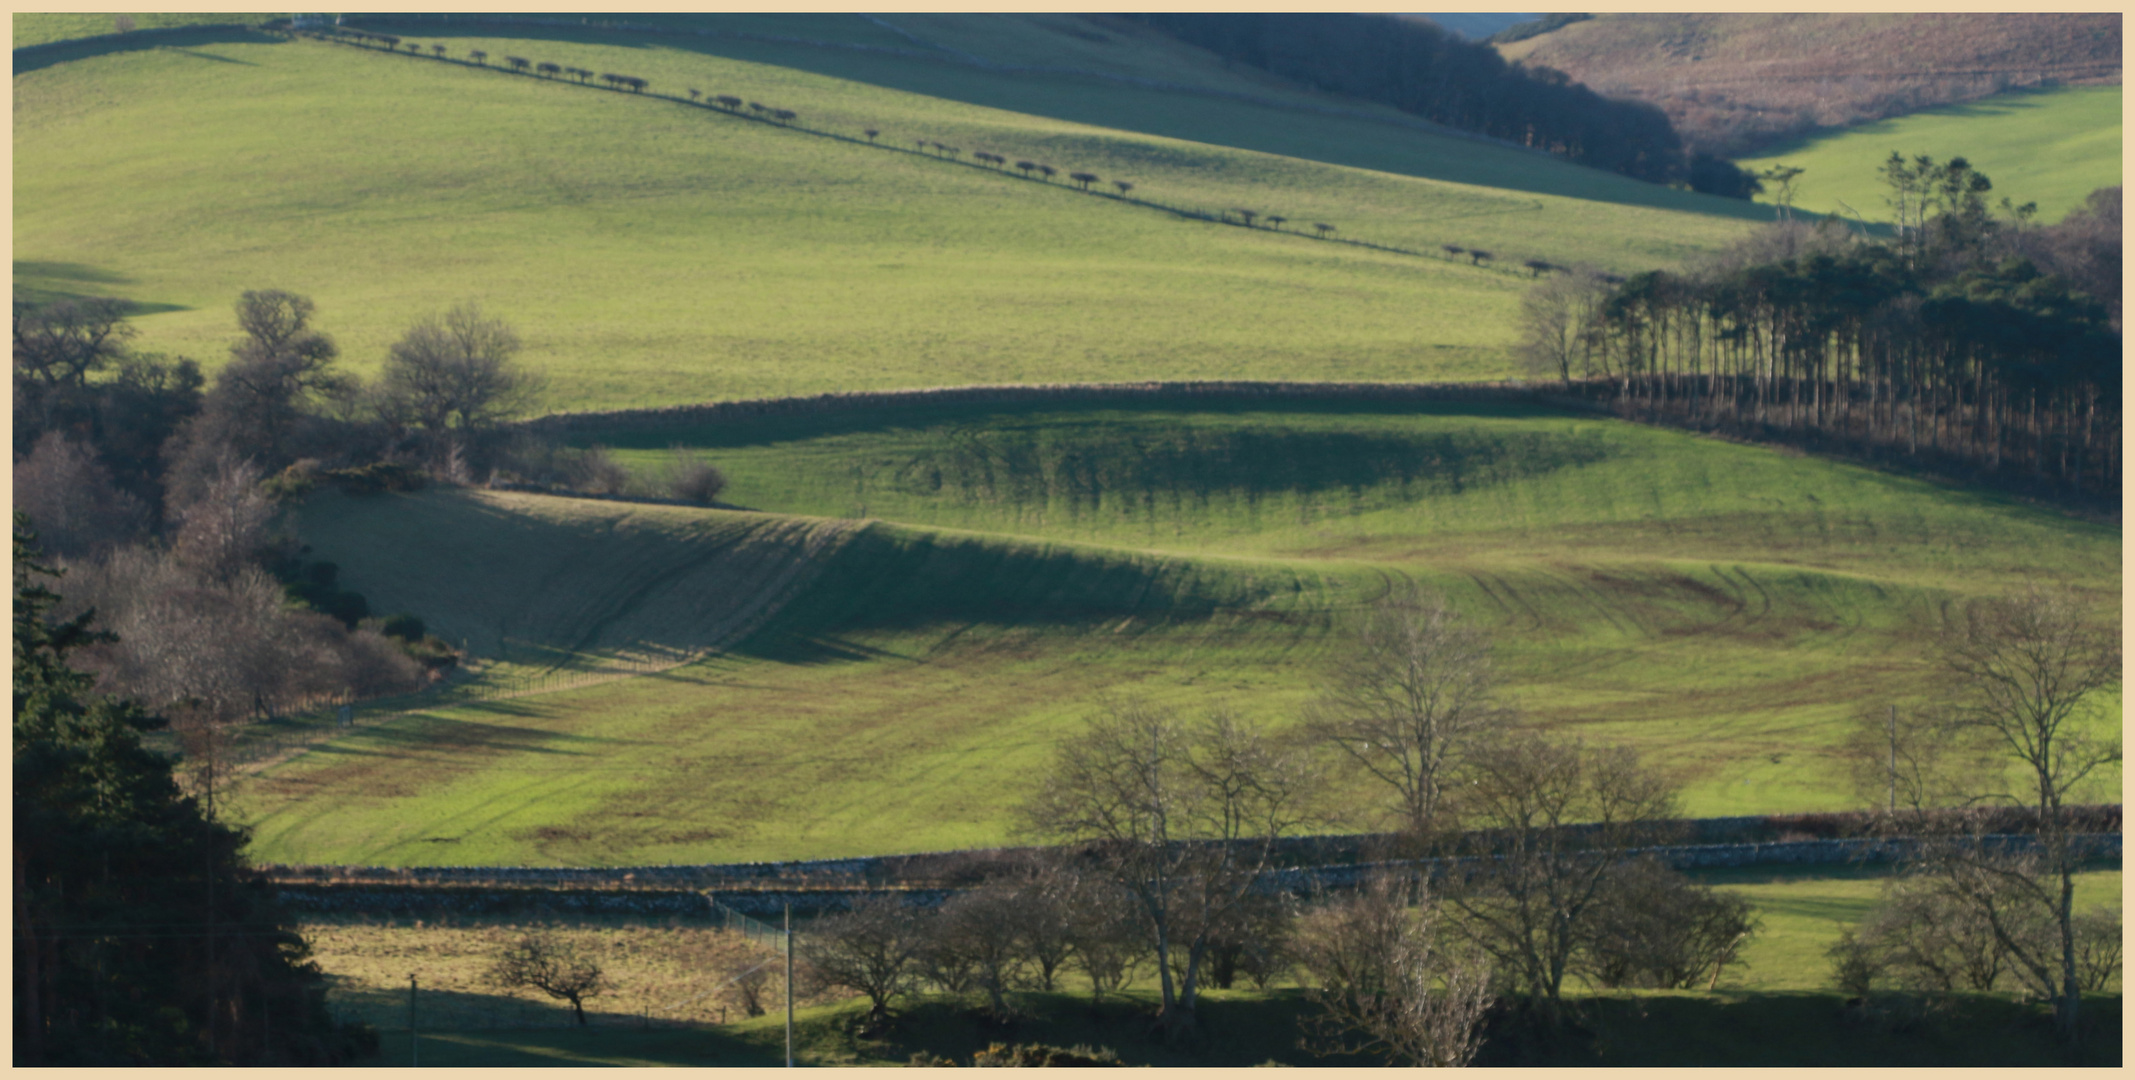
(755, 930)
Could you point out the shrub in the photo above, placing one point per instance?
(594, 470)
(404, 626)
(1655, 928)
(692, 479)
(1041, 1056)
(377, 477)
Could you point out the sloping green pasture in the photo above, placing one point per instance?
(1725, 608)
(2052, 147)
(654, 252)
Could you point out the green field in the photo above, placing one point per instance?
(1723, 607)
(2052, 147)
(653, 252)
(45, 28)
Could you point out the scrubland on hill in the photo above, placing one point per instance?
(1735, 83)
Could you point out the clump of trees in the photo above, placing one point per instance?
(2025, 722)
(141, 935)
(1948, 343)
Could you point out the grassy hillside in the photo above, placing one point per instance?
(2052, 147)
(654, 252)
(47, 27)
(1735, 83)
(1723, 607)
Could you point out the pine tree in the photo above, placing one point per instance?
(141, 936)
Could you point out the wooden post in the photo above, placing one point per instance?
(789, 984)
(414, 1041)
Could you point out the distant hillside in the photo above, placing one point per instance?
(1733, 84)
(1476, 26)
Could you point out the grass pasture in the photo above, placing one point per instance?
(650, 252)
(2053, 147)
(1723, 607)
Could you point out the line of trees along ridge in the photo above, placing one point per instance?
(1083, 180)
(1426, 71)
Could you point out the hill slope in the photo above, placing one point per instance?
(2052, 147)
(1734, 83)
(651, 251)
(1725, 608)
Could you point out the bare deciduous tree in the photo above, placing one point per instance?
(1556, 318)
(872, 949)
(2030, 675)
(1183, 816)
(1390, 980)
(553, 966)
(1656, 928)
(68, 493)
(1411, 701)
(1530, 896)
(457, 373)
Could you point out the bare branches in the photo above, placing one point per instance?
(1182, 816)
(552, 966)
(1411, 702)
(1391, 981)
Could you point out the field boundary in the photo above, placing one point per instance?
(1237, 218)
(931, 51)
(1238, 390)
(413, 894)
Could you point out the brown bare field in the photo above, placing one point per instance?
(1733, 83)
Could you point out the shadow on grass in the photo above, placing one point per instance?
(893, 416)
(185, 42)
(1101, 101)
(54, 283)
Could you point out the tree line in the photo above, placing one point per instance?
(1426, 71)
(1964, 336)
(1519, 859)
(1083, 179)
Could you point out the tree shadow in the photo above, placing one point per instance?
(41, 283)
(183, 42)
(1105, 102)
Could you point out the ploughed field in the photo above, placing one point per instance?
(654, 251)
(939, 593)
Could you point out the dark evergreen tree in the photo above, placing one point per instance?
(141, 937)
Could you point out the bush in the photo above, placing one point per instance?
(1657, 929)
(1041, 1056)
(692, 479)
(377, 477)
(593, 470)
(404, 626)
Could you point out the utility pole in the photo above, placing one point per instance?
(1893, 760)
(789, 984)
(414, 1042)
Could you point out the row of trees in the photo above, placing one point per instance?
(1424, 70)
(1947, 340)
(1166, 829)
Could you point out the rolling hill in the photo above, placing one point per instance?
(2052, 147)
(653, 251)
(1723, 607)
(1736, 83)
